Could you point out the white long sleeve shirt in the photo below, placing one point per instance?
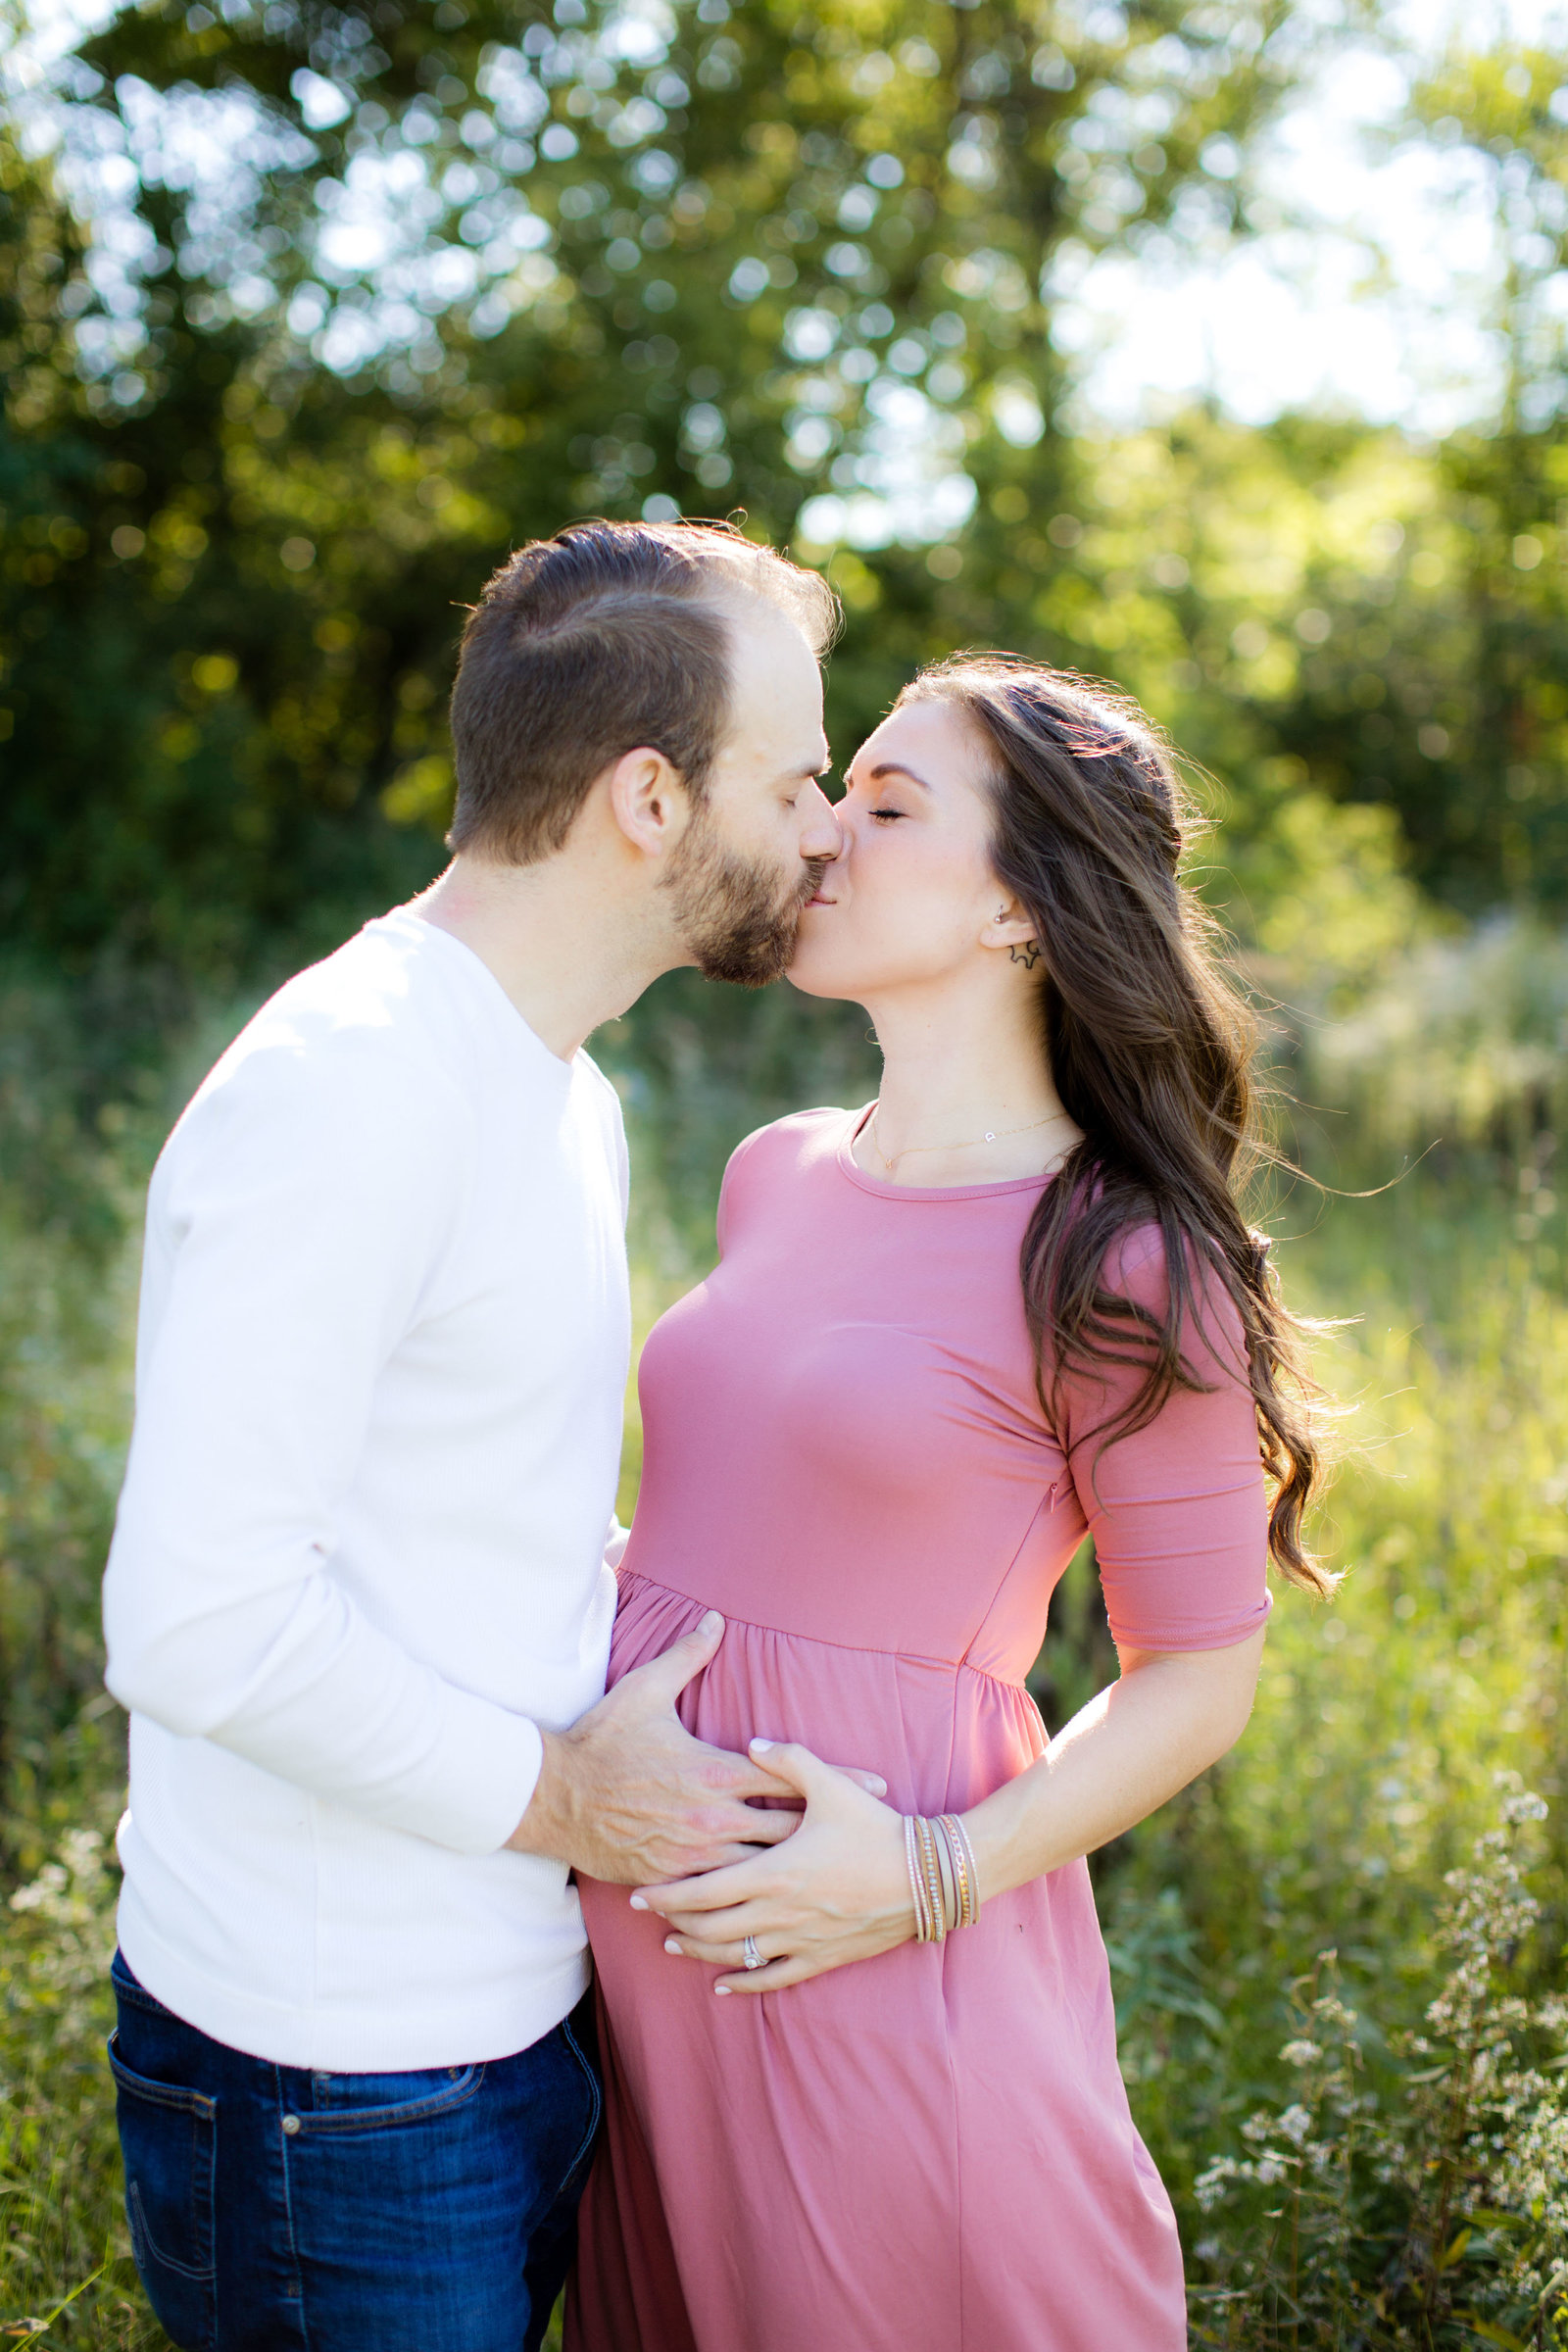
(360, 1553)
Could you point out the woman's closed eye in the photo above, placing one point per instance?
(887, 816)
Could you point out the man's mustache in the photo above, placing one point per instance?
(816, 868)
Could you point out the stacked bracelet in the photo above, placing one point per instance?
(931, 1870)
(966, 1878)
(924, 1927)
(943, 1884)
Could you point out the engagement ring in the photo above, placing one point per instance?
(754, 1958)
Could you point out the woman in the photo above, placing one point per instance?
(1011, 1302)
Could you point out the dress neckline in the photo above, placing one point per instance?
(922, 1192)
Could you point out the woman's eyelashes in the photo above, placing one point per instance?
(886, 817)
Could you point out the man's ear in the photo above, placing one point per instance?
(648, 801)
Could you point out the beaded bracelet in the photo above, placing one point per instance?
(932, 1869)
(942, 1877)
(917, 1888)
(966, 1878)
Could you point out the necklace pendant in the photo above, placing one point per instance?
(989, 1137)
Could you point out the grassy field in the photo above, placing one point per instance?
(1381, 2191)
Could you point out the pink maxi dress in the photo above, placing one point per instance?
(930, 2151)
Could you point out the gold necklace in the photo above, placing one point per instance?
(993, 1135)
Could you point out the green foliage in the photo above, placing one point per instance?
(63, 1314)
(703, 267)
(1460, 1041)
(1380, 1730)
(1437, 2214)
(66, 2271)
(468, 276)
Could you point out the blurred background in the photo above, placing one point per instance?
(1214, 348)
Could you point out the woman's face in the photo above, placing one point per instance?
(907, 898)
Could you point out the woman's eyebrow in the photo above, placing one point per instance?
(896, 767)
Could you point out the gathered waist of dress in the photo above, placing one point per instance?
(641, 1595)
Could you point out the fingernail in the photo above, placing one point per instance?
(879, 1786)
(670, 1945)
(760, 1748)
(638, 1903)
(712, 1623)
(722, 1991)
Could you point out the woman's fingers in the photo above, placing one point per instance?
(710, 1890)
(787, 1968)
(790, 1969)
(762, 1752)
(719, 1926)
(718, 1951)
(797, 1767)
(772, 1825)
(749, 1775)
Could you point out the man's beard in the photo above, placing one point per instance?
(731, 913)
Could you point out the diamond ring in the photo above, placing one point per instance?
(754, 1958)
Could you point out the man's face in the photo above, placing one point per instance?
(761, 838)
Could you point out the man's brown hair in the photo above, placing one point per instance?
(609, 637)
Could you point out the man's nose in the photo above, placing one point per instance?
(821, 835)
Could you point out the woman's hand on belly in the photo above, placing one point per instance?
(838, 1890)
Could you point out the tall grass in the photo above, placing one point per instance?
(1371, 1768)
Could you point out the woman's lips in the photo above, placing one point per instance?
(819, 901)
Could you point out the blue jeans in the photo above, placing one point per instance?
(276, 2210)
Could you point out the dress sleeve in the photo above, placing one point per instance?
(1178, 1510)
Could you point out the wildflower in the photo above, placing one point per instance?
(1468, 2159)
(1213, 2184)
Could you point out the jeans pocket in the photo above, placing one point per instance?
(595, 2098)
(355, 2103)
(169, 2140)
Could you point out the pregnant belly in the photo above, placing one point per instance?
(943, 1735)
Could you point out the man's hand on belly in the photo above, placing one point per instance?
(628, 1795)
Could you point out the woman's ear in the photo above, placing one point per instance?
(1011, 928)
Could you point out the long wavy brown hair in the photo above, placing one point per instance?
(1150, 1048)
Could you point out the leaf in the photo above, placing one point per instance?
(1490, 2334)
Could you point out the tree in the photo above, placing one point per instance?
(397, 286)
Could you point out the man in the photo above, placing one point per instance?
(358, 1599)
